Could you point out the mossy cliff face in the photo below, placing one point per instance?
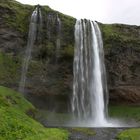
(49, 78)
(14, 22)
(122, 53)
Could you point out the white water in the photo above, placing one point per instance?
(98, 106)
(90, 99)
(31, 40)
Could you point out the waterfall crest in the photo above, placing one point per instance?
(32, 35)
(89, 84)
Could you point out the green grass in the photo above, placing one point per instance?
(130, 134)
(16, 124)
(125, 111)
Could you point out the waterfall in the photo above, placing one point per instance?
(58, 43)
(89, 100)
(32, 35)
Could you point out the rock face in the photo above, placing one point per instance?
(49, 81)
(125, 94)
(12, 40)
(122, 53)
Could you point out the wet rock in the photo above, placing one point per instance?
(125, 94)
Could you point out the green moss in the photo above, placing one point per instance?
(125, 111)
(115, 35)
(9, 69)
(16, 124)
(48, 9)
(18, 15)
(130, 134)
(85, 131)
(68, 29)
(68, 52)
(107, 29)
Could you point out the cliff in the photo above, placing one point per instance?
(122, 53)
(49, 78)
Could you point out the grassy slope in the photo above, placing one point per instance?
(126, 112)
(16, 124)
(130, 134)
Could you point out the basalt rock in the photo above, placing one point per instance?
(125, 94)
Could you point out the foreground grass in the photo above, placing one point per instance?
(125, 111)
(16, 124)
(130, 134)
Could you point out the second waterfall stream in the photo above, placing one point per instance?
(90, 95)
(32, 35)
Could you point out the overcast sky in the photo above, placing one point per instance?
(105, 11)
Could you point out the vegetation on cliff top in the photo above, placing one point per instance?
(120, 34)
(16, 124)
(16, 15)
